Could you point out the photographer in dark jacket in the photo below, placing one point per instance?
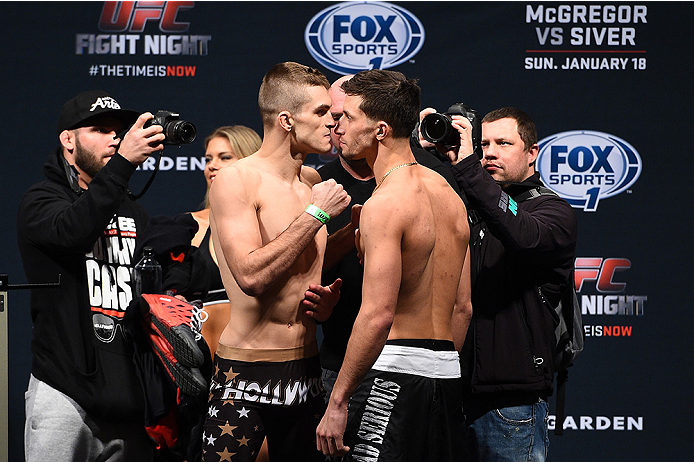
(84, 401)
(522, 254)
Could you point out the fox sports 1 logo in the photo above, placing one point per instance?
(585, 166)
(355, 36)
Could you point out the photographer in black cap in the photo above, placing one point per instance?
(84, 401)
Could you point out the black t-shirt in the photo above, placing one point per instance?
(338, 328)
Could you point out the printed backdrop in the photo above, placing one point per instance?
(608, 84)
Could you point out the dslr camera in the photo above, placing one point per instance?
(436, 128)
(176, 131)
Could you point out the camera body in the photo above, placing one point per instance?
(436, 128)
(176, 131)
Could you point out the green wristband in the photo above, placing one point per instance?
(318, 214)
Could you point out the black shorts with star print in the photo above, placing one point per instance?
(259, 393)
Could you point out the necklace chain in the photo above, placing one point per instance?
(409, 164)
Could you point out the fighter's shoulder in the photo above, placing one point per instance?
(437, 184)
(383, 207)
(241, 181)
(310, 175)
(448, 201)
(243, 169)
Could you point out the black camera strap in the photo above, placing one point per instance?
(151, 179)
(72, 175)
(156, 167)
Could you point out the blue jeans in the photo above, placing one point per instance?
(511, 434)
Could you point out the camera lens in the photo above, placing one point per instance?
(186, 132)
(435, 127)
(180, 132)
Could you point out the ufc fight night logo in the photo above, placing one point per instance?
(133, 16)
(124, 24)
(604, 272)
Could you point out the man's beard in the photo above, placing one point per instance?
(354, 162)
(86, 160)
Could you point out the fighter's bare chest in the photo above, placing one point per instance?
(279, 207)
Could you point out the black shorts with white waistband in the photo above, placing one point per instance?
(409, 406)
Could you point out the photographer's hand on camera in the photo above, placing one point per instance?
(139, 143)
(422, 141)
(465, 149)
(330, 197)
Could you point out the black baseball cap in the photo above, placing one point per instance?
(91, 105)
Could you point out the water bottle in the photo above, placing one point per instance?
(147, 274)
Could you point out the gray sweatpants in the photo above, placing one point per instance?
(57, 428)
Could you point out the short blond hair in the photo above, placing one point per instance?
(283, 89)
